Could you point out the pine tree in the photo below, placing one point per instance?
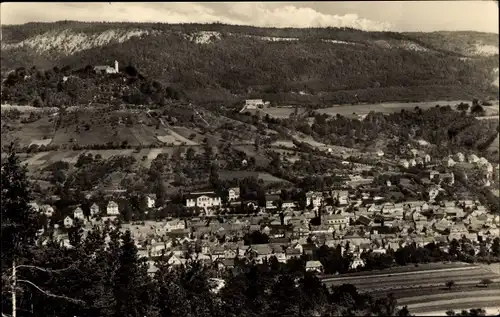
(20, 222)
(130, 281)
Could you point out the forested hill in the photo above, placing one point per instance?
(217, 62)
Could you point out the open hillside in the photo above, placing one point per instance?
(215, 62)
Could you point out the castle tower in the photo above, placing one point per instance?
(116, 66)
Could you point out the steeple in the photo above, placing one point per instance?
(116, 66)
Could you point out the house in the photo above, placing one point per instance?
(94, 210)
(234, 193)
(34, 206)
(107, 69)
(413, 162)
(272, 201)
(112, 209)
(259, 252)
(473, 158)
(288, 204)
(342, 196)
(47, 210)
(457, 231)
(404, 163)
(78, 214)
(450, 162)
(68, 222)
(251, 104)
(313, 199)
(203, 200)
(447, 178)
(336, 221)
(291, 253)
(460, 157)
(314, 266)
(357, 262)
(151, 201)
(174, 224)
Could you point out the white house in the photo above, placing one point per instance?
(47, 210)
(68, 222)
(203, 200)
(94, 210)
(78, 214)
(112, 209)
(234, 193)
(450, 162)
(175, 224)
(336, 221)
(151, 201)
(314, 266)
(460, 157)
(473, 158)
(404, 163)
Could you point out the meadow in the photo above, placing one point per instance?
(363, 109)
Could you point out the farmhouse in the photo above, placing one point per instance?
(203, 200)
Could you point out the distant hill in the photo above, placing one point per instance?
(216, 62)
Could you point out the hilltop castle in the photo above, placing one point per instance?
(106, 69)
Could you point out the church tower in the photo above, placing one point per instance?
(116, 66)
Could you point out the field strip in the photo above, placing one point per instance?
(331, 279)
(490, 311)
(494, 299)
(442, 296)
(418, 286)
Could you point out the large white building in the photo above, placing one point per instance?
(203, 200)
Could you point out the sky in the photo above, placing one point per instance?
(399, 16)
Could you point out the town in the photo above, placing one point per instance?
(359, 217)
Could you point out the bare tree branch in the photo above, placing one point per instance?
(43, 269)
(73, 300)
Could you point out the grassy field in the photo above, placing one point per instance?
(265, 177)
(348, 110)
(250, 151)
(28, 133)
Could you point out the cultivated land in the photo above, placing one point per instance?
(362, 109)
(467, 275)
(423, 288)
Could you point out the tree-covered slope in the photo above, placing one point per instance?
(325, 64)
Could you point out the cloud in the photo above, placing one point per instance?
(291, 16)
(254, 13)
